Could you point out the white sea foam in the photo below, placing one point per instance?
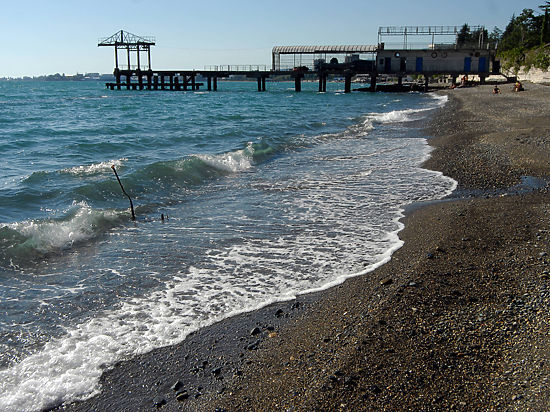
(95, 168)
(231, 162)
(440, 99)
(82, 223)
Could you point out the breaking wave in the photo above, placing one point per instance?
(27, 240)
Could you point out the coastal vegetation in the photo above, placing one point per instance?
(525, 42)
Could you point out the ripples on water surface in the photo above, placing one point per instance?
(267, 195)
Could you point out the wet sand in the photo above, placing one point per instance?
(459, 319)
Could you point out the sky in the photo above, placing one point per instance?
(60, 36)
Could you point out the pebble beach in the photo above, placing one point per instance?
(458, 319)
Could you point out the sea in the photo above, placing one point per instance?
(241, 199)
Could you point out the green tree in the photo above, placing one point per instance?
(544, 30)
(467, 38)
(523, 31)
(495, 36)
(463, 35)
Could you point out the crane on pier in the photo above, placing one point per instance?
(123, 40)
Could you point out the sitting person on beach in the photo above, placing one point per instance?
(518, 87)
(496, 90)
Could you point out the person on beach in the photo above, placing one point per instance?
(496, 90)
(518, 87)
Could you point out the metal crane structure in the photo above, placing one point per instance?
(123, 40)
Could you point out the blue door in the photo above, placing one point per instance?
(387, 65)
(482, 68)
(467, 64)
(419, 64)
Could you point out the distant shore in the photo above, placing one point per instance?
(457, 320)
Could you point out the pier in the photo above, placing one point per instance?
(320, 62)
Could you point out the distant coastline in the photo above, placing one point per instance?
(64, 77)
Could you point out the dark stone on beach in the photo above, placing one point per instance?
(255, 331)
(159, 401)
(279, 313)
(253, 345)
(350, 381)
(181, 396)
(177, 386)
(375, 389)
(296, 305)
(217, 371)
(386, 282)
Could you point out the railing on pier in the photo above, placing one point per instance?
(447, 37)
(236, 68)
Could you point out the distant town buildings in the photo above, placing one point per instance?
(64, 77)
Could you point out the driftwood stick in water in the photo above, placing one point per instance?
(124, 191)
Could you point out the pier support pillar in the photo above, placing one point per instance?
(176, 83)
(193, 83)
(161, 82)
(171, 82)
(155, 82)
(117, 77)
(140, 79)
(209, 83)
(128, 77)
(298, 83)
(263, 83)
(347, 83)
(426, 82)
(400, 81)
(259, 80)
(322, 82)
(372, 83)
(215, 84)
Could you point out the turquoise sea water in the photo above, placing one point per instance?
(267, 195)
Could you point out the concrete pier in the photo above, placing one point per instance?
(439, 59)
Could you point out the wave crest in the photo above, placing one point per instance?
(29, 239)
(94, 168)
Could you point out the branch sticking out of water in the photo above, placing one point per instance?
(124, 191)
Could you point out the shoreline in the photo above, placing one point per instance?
(452, 293)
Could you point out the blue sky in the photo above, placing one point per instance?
(44, 37)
